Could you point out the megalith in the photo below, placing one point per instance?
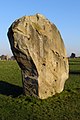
(40, 52)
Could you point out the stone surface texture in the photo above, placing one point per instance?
(40, 52)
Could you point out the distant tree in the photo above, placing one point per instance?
(4, 57)
(12, 58)
(73, 55)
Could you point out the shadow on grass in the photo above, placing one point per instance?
(74, 72)
(10, 89)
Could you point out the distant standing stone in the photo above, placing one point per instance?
(40, 52)
(73, 55)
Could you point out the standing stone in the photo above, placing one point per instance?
(40, 52)
(73, 55)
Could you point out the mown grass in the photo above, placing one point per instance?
(10, 72)
(74, 65)
(15, 106)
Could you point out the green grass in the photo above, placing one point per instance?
(74, 65)
(10, 72)
(15, 106)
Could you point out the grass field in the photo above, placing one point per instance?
(15, 106)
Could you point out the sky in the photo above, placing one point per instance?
(65, 14)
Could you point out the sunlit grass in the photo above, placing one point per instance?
(10, 72)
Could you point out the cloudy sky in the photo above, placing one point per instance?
(65, 14)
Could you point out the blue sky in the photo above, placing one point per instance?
(65, 14)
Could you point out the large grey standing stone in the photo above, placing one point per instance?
(40, 52)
